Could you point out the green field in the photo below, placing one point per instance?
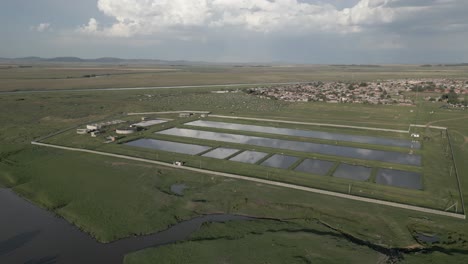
(440, 189)
(112, 199)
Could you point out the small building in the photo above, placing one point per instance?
(93, 127)
(95, 133)
(126, 131)
(82, 131)
(185, 115)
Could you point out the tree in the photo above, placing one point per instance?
(451, 97)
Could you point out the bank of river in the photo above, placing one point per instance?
(29, 234)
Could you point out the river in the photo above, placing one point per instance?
(32, 235)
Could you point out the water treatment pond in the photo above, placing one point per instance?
(318, 167)
(280, 161)
(249, 156)
(398, 178)
(308, 133)
(182, 148)
(334, 150)
(221, 153)
(352, 172)
(29, 234)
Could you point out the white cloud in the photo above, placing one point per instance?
(90, 28)
(147, 17)
(42, 27)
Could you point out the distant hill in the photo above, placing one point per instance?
(65, 59)
(104, 60)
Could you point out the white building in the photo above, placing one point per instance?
(126, 131)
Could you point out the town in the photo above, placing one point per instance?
(377, 92)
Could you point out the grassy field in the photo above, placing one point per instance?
(440, 187)
(48, 77)
(112, 199)
(261, 242)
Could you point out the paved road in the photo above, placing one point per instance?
(273, 183)
(147, 88)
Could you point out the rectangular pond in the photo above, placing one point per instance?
(314, 166)
(398, 178)
(182, 148)
(308, 133)
(280, 161)
(221, 153)
(353, 172)
(249, 156)
(326, 149)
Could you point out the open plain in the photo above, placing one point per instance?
(112, 198)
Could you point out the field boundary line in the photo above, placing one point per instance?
(428, 126)
(456, 172)
(169, 112)
(268, 182)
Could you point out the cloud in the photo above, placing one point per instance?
(90, 28)
(152, 17)
(42, 27)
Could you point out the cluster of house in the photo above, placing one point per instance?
(377, 92)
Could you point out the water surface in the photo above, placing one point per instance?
(249, 156)
(398, 178)
(280, 161)
(353, 172)
(29, 234)
(221, 153)
(334, 150)
(314, 166)
(309, 134)
(163, 145)
(178, 189)
(427, 238)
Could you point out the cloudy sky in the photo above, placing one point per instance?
(300, 31)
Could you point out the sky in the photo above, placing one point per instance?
(288, 31)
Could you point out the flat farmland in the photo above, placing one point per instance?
(59, 77)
